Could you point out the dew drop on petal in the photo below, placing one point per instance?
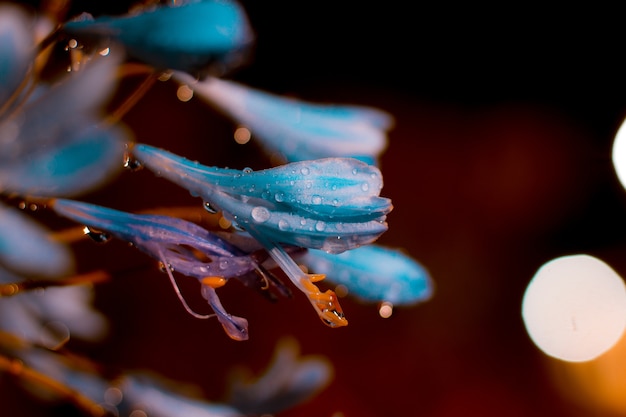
(305, 171)
(96, 235)
(283, 224)
(316, 199)
(260, 214)
(385, 310)
(223, 264)
(247, 170)
(279, 197)
(320, 226)
(365, 186)
(208, 207)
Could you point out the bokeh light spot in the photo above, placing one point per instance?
(574, 308)
(619, 154)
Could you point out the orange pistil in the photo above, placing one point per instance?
(214, 282)
(326, 303)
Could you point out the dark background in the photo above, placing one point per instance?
(499, 161)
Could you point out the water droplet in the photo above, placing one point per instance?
(308, 184)
(385, 309)
(283, 224)
(208, 207)
(279, 197)
(131, 163)
(223, 264)
(316, 199)
(365, 186)
(247, 170)
(163, 268)
(320, 226)
(335, 202)
(96, 235)
(355, 171)
(260, 214)
(305, 171)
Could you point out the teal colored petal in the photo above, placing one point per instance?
(27, 248)
(295, 129)
(75, 166)
(374, 273)
(188, 36)
(16, 48)
(329, 204)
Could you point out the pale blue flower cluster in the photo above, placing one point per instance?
(317, 214)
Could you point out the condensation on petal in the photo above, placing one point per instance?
(296, 129)
(16, 48)
(26, 247)
(87, 161)
(374, 273)
(330, 189)
(187, 37)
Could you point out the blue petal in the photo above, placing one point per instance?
(295, 129)
(165, 238)
(27, 248)
(187, 37)
(50, 118)
(29, 314)
(78, 165)
(16, 48)
(374, 273)
(331, 203)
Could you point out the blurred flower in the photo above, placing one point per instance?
(51, 143)
(194, 36)
(16, 49)
(50, 316)
(331, 204)
(289, 380)
(294, 129)
(374, 273)
(27, 249)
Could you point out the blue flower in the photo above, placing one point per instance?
(374, 273)
(188, 36)
(50, 317)
(289, 380)
(54, 143)
(331, 204)
(294, 129)
(16, 49)
(184, 247)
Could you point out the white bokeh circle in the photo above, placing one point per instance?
(574, 308)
